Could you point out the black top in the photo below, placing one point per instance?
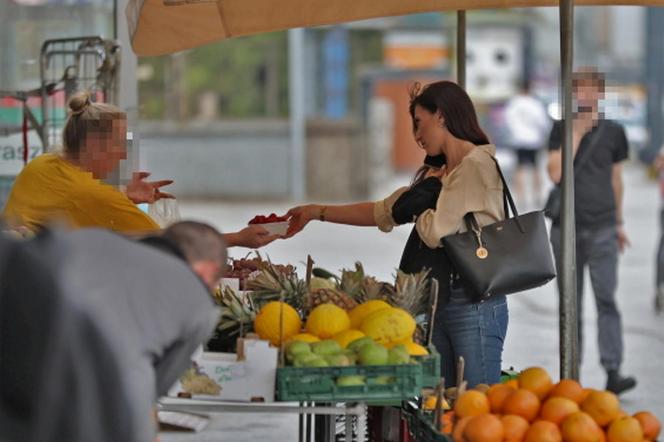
(416, 254)
(593, 192)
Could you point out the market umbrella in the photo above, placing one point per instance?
(161, 27)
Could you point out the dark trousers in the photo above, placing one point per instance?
(597, 250)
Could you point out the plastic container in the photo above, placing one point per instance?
(381, 383)
(420, 425)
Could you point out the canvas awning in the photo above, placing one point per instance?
(160, 27)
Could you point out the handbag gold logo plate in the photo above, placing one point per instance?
(482, 253)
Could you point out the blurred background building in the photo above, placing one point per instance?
(216, 118)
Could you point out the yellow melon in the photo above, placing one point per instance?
(389, 325)
(327, 320)
(346, 337)
(268, 320)
(363, 310)
(305, 337)
(415, 349)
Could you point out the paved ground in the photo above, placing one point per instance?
(533, 330)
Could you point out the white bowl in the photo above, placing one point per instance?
(279, 228)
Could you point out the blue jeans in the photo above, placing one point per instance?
(474, 330)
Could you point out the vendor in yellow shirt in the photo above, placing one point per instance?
(67, 187)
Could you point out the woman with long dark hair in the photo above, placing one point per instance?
(459, 177)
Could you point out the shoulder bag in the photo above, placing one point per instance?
(506, 257)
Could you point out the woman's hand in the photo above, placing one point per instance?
(300, 217)
(141, 191)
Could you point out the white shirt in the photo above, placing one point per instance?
(527, 122)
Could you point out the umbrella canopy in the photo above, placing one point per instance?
(160, 27)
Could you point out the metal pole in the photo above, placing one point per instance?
(569, 337)
(461, 49)
(297, 114)
(654, 73)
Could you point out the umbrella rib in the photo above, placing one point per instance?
(222, 18)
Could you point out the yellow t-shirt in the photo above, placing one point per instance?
(50, 189)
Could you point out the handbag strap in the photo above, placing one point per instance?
(593, 142)
(508, 203)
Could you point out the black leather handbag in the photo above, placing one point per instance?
(504, 257)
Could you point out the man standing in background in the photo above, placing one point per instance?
(599, 146)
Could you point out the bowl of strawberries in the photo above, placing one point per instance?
(275, 225)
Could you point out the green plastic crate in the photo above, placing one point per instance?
(430, 368)
(420, 425)
(507, 375)
(319, 384)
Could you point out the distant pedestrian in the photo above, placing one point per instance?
(528, 125)
(600, 234)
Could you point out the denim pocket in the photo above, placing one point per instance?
(501, 319)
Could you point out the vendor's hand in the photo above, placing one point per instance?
(141, 191)
(623, 240)
(300, 217)
(254, 237)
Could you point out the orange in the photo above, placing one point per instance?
(497, 394)
(603, 406)
(459, 427)
(556, 409)
(649, 423)
(586, 392)
(543, 431)
(569, 389)
(602, 435)
(515, 427)
(523, 403)
(625, 429)
(471, 403)
(580, 427)
(512, 383)
(484, 428)
(537, 380)
(447, 422)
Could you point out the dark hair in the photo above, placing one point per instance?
(455, 106)
(198, 242)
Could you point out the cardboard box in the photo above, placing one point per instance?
(247, 376)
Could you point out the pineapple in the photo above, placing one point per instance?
(351, 280)
(320, 296)
(412, 292)
(273, 285)
(373, 289)
(237, 314)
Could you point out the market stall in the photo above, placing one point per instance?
(159, 27)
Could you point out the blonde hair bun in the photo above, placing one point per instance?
(79, 102)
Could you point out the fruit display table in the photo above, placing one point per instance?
(325, 425)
